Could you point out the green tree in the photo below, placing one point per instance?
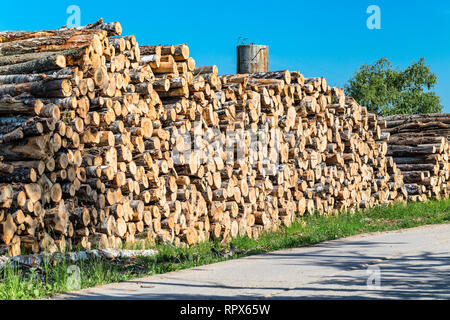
(387, 91)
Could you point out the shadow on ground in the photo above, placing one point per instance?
(420, 276)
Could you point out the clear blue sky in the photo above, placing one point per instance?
(318, 38)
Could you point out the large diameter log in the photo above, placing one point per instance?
(7, 229)
(29, 100)
(19, 175)
(56, 88)
(8, 36)
(161, 85)
(39, 166)
(6, 195)
(32, 148)
(167, 50)
(176, 92)
(30, 126)
(414, 189)
(418, 167)
(396, 120)
(153, 59)
(418, 159)
(150, 50)
(281, 75)
(190, 62)
(12, 106)
(112, 28)
(413, 176)
(177, 82)
(166, 67)
(415, 140)
(418, 127)
(47, 44)
(16, 134)
(205, 69)
(181, 52)
(39, 65)
(401, 151)
(59, 218)
(33, 191)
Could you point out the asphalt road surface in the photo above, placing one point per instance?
(405, 264)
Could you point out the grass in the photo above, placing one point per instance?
(307, 230)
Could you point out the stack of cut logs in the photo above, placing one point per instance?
(104, 142)
(419, 145)
(54, 127)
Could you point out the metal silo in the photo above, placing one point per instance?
(252, 58)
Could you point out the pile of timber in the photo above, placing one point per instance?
(317, 151)
(74, 105)
(419, 145)
(105, 142)
(267, 148)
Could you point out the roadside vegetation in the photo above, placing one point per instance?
(386, 90)
(48, 280)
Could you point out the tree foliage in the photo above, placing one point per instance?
(387, 91)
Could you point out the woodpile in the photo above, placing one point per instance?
(104, 142)
(57, 135)
(317, 151)
(419, 145)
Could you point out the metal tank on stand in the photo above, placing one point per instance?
(252, 58)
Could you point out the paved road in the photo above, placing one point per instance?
(412, 264)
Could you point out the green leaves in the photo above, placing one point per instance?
(387, 91)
